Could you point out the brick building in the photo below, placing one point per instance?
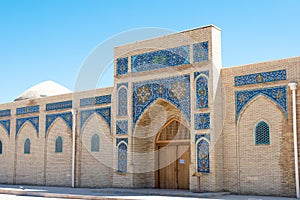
(173, 119)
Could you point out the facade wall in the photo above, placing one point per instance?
(218, 105)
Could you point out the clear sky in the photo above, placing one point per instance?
(49, 39)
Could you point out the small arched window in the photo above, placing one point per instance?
(0, 147)
(27, 146)
(262, 133)
(95, 143)
(58, 145)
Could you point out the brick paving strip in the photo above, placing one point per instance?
(107, 193)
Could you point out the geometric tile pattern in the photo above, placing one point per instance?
(276, 94)
(203, 157)
(105, 113)
(122, 84)
(122, 66)
(202, 92)
(99, 100)
(6, 125)
(196, 74)
(28, 109)
(202, 121)
(257, 78)
(122, 157)
(59, 105)
(4, 113)
(33, 120)
(175, 90)
(200, 51)
(122, 102)
(67, 117)
(199, 136)
(122, 127)
(160, 59)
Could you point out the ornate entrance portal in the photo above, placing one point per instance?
(173, 158)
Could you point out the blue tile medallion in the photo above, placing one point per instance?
(203, 157)
(33, 120)
(202, 121)
(105, 113)
(200, 51)
(50, 118)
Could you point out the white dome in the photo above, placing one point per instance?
(44, 89)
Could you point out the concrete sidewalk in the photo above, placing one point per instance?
(107, 193)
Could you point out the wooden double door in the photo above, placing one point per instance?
(173, 158)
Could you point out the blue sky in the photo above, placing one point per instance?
(50, 39)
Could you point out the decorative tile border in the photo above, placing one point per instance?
(6, 125)
(199, 136)
(202, 121)
(122, 66)
(122, 127)
(200, 51)
(118, 140)
(276, 94)
(28, 109)
(103, 112)
(196, 74)
(92, 101)
(257, 78)
(59, 105)
(67, 117)
(175, 90)
(160, 59)
(5, 113)
(33, 120)
(201, 92)
(203, 157)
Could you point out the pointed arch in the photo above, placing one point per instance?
(59, 145)
(168, 106)
(201, 91)
(122, 157)
(262, 133)
(54, 123)
(253, 100)
(95, 143)
(26, 124)
(203, 165)
(27, 146)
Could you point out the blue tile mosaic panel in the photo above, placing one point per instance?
(28, 109)
(276, 94)
(121, 140)
(103, 112)
(122, 84)
(257, 78)
(196, 74)
(67, 117)
(92, 101)
(122, 66)
(59, 105)
(201, 92)
(6, 125)
(122, 157)
(202, 121)
(5, 113)
(122, 127)
(200, 51)
(33, 120)
(122, 102)
(175, 90)
(199, 136)
(160, 59)
(203, 157)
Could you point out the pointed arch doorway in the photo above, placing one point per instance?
(173, 156)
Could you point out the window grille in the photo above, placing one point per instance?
(262, 133)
